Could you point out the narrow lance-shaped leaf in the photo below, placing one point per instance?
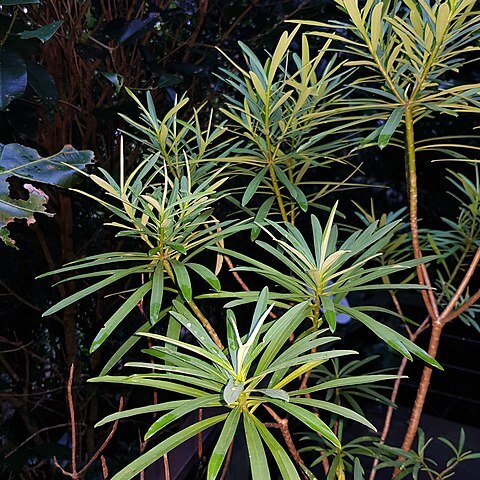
(390, 127)
(186, 407)
(223, 444)
(256, 450)
(120, 315)
(329, 312)
(253, 186)
(390, 336)
(285, 465)
(157, 293)
(206, 274)
(309, 419)
(166, 446)
(182, 278)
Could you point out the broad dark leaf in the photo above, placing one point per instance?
(42, 83)
(24, 162)
(13, 76)
(129, 31)
(44, 33)
(5, 3)
(19, 161)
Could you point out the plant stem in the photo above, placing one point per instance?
(277, 192)
(10, 26)
(282, 424)
(411, 166)
(206, 324)
(422, 388)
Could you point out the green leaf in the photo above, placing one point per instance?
(141, 381)
(390, 126)
(376, 25)
(390, 336)
(166, 446)
(285, 465)
(158, 407)
(177, 247)
(329, 312)
(279, 333)
(333, 408)
(256, 451)
(260, 217)
(112, 323)
(310, 420)
(92, 289)
(223, 444)
(442, 22)
(358, 473)
(128, 344)
(13, 76)
(177, 413)
(44, 33)
(157, 293)
(344, 382)
(232, 390)
(253, 186)
(19, 161)
(182, 279)
(293, 189)
(206, 274)
(184, 316)
(277, 393)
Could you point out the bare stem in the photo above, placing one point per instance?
(423, 278)
(422, 389)
(206, 324)
(282, 425)
(278, 193)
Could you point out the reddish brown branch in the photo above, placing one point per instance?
(282, 425)
(166, 467)
(74, 474)
(463, 285)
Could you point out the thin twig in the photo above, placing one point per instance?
(237, 277)
(71, 409)
(74, 474)
(38, 432)
(466, 279)
(104, 467)
(282, 425)
(166, 467)
(106, 441)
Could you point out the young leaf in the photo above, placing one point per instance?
(206, 274)
(390, 127)
(157, 293)
(232, 390)
(182, 278)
